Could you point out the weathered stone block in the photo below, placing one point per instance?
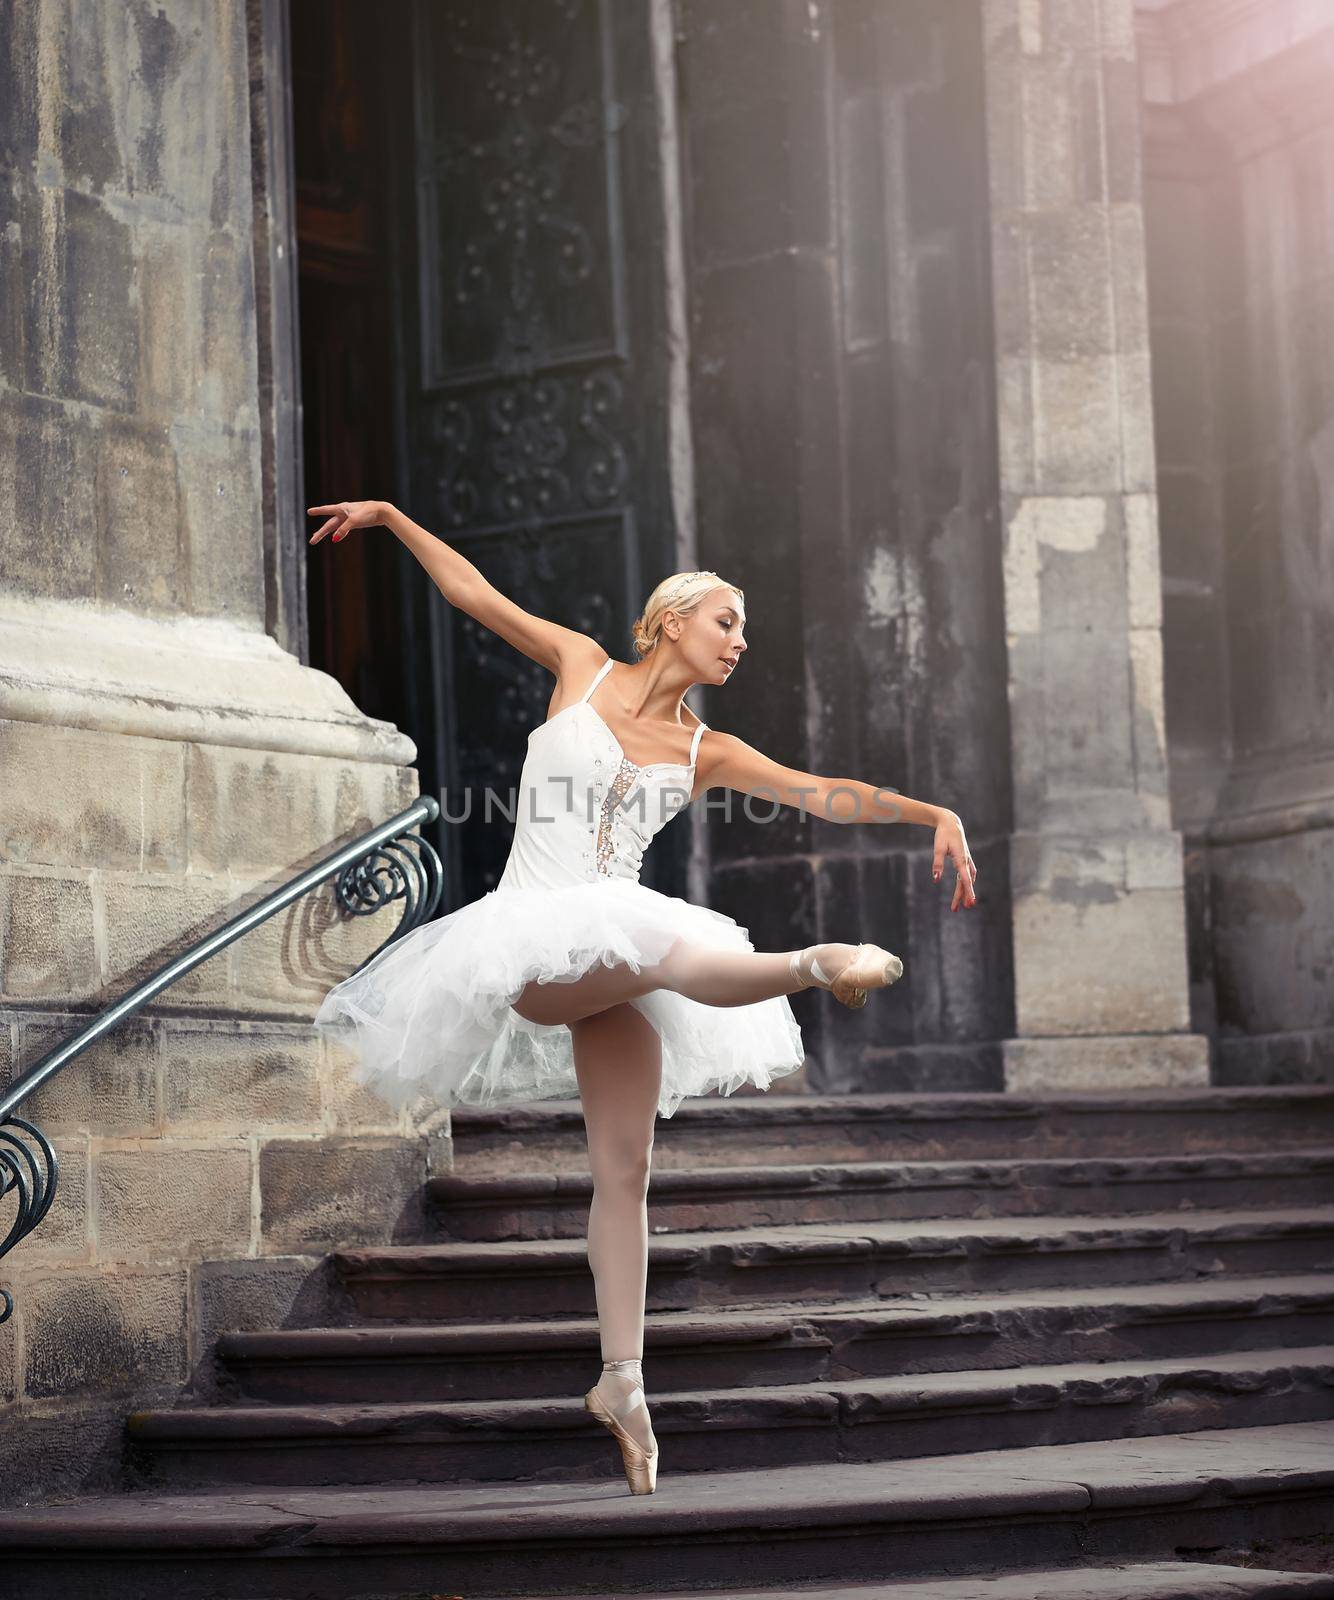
(1144, 587)
(1036, 526)
(47, 500)
(219, 474)
(1086, 715)
(47, 944)
(238, 1076)
(64, 1232)
(191, 287)
(1125, 221)
(99, 328)
(138, 516)
(62, 1450)
(1273, 927)
(1116, 28)
(349, 1106)
(227, 364)
(1076, 425)
(151, 922)
(1070, 266)
(1122, 154)
(1027, 771)
(1139, 460)
(1061, 27)
(1012, 290)
(185, 1199)
(1014, 420)
(87, 1331)
(262, 1292)
(110, 1088)
(1090, 959)
(309, 805)
(1046, 863)
(71, 797)
(1150, 729)
(292, 959)
(320, 1192)
(1145, 1060)
(1053, 90)
(1154, 861)
(1083, 588)
(1275, 1058)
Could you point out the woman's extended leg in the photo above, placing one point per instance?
(715, 977)
(618, 1062)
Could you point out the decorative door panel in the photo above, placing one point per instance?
(532, 370)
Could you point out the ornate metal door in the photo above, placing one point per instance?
(532, 372)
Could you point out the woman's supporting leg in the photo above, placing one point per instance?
(618, 1062)
(715, 977)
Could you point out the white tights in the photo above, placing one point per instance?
(618, 1063)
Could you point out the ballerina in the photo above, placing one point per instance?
(571, 977)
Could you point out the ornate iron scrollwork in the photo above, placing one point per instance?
(31, 1181)
(392, 871)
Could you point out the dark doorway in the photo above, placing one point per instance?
(340, 152)
(483, 342)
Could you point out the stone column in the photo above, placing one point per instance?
(1099, 930)
(163, 761)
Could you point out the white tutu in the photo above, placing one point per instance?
(432, 1013)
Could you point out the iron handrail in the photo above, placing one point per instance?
(373, 871)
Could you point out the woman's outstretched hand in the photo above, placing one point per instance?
(950, 841)
(345, 516)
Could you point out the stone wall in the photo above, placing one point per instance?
(843, 413)
(163, 763)
(1240, 203)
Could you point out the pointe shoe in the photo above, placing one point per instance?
(869, 968)
(641, 1467)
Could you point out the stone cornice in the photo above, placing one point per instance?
(205, 680)
(1269, 800)
(1276, 100)
(1203, 48)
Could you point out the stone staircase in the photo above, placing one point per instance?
(938, 1346)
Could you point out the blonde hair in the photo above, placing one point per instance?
(683, 593)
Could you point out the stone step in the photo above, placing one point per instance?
(985, 1511)
(1149, 1580)
(734, 1130)
(783, 1343)
(470, 1281)
(549, 1205)
(554, 1440)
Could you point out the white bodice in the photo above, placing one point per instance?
(584, 809)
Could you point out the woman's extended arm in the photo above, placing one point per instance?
(731, 763)
(461, 583)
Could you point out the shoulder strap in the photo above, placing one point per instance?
(602, 672)
(694, 743)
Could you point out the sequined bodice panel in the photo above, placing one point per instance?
(584, 809)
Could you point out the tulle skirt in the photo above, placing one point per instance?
(432, 1013)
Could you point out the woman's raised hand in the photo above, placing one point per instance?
(345, 516)
(950, 841)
